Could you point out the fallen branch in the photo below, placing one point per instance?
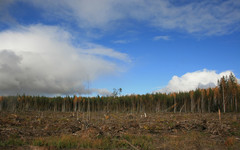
(171, 107)
(134, 147)
(182, 108)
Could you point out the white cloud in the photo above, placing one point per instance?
(105, 92)
(121, 41)
(163, 37)
(197, 17)
(41, 59)
(87, 13)
(204, 17)
(94, 49)
(191, 81)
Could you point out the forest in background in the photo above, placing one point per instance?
(225, 97)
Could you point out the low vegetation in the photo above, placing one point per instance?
(67, 130)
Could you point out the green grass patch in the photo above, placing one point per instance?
(70, 141)
(12, 141)
(143, 142)
(235, 125)
(62, 142)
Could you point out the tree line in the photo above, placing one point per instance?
(225, 97)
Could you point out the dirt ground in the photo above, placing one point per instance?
(57, 130)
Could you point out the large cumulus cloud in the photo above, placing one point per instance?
(42, 59)
(193, 80)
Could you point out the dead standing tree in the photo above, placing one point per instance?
(192, 101)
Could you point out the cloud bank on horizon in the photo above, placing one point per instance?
(193, 80)
(41, 59)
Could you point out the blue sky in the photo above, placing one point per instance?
(140, 46)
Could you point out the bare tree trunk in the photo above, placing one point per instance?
(79, 106)
(192, 105)
(185, 105)
(198, 103)
(219, 114)
(0, 105)
(27, 106)
(63, 106)
(55, 106)
(75, 106)
(107, 105)
(209, 105)
(224, 104)
(236, 107)
(202, 103)
(89, 113)
(1, 101)
(159, 105)
(89, 117)
(175, 104)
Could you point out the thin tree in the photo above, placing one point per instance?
(222, 85)
(192, 101)
(89, 113)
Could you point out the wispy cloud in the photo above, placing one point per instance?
(41, 59)
(193, 80)
(194, 17)
(201, 17)
(5, 17)
(94, 49)
(161, 38)
(121, 41)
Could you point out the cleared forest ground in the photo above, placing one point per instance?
(58, 130)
